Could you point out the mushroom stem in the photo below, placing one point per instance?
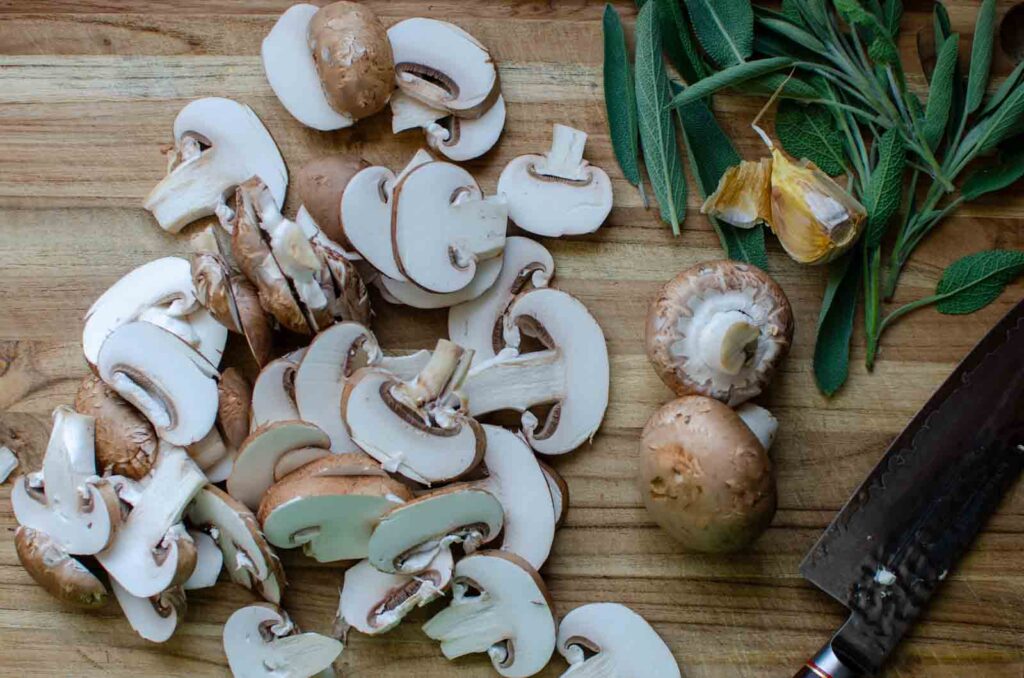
(511, 381)
(183, 197)
(728, 341)
(491, 213)
(761, 422)
(429, 384)
(600, 665)
(467, 627)
(565, 157)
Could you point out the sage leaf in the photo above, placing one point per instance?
(882, 48)
(981, 55)
(885, 187)
(940, 93)
(835, 323)
(657, 133)
(767, 44)
(1003, 174)
(729, 77)
(794, 88)
(1004, 89)
(678, 42)
(941, 24)
(975, 281)
(620, 97)
(893, 11)
(725, 29)
(791, 10)
(793, 32)
(1000, 124)
(809, 131)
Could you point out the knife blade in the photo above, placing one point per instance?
(912, 518)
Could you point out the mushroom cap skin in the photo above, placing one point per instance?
(353, 57)
(209, 562)
(154, 618)
(126, 443)
(63, 576)
(512, 619)
(612, 640)
(233, 406)
(341, 280)
(704, 477)
(320, 184)
(253, 472)
(688, 327)
(260, 641)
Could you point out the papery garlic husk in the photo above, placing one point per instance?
(815, 219)
(743, 196)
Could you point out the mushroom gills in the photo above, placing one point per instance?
(260, 641)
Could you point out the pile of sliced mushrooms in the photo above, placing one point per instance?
(172, 469)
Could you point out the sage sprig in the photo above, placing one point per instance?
(620, 98)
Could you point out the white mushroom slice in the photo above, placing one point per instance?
(516, 479)
(221, 471)
(761, 422)
(410, 294)
(612, 641)
(295, 459)
(405, 367)
(499, 606)
(8, 462)
(572, 373)
(209, 451)
(209, 561)
(408, 113)
(253, 471)
(462, 139)
(154, 618)
(152, 552)
(68, 501)
(219, 144)
(248, 558)
(410, 536)
(442, 226)
(477, 324)
(273, 393)
(559, 490)
(63, 576)
(374, 602)
(260, 641)
(443, 66)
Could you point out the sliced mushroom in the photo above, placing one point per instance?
(343, 284)
(320, 184)
(233, 407)
(761, 422)
(253, 471)
(409, 113)
(477, 324)
(609, 640)
(456, 138)
(720, 329)
(572, 373)
(260, 641)
(126, 443)
(219, 143)
(221, 471)
(154, 618)
(209, 562)
(273, 393)
(162, 376)
(442, 226)
(209, 451)
(558, 193)
(443, 66)
(374, 602)
(8, 463)
(248, 558)
(411, 535)
(63, 576)
(412, 295)
(559, 490)
(499, 606)
(330, 516)
(68, 502)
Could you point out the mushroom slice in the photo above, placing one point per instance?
(410, 536)
(219, 143)
(558, 193)
(571, 374)
(253, 471)
(273, 393)
(152, 551)
(559, 490)
(165, 378)
(341, 281)
(209, 561)
(612, 641)
(221, 471)
(8, 462)
(719, 329)
(462, 139)
(68, 501)
(374, 602)
(443, 66)
(260, 641)
(126, 443)
(63, 576)
(208, 452)
(408, 113)
(412, 295)
(154, 618)
(499, 606)
(477, 324)
(233, 407)
(248, 558)
(330, 516)
(320, 184)
(442, 226)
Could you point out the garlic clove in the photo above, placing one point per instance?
(743, 196)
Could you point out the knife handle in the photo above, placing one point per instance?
(826, 664)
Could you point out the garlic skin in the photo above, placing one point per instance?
(743, 196)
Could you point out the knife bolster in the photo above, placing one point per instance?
(826, 664)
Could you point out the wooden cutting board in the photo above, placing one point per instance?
(88, 91)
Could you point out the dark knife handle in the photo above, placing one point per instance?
(826, 664)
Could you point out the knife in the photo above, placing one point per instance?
(916, 513)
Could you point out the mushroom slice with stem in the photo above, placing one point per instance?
(477, 324)
(374, 602)
(558, 193)
(442, 226)
(126, 443)
(219, 143)
(165, 378)
(61, 575)
(68, 502)
(209, 562)
(499, 606)
(612, 641)
(719, 329)
(410, 536)
(410, 294)
(330, 516)
(457, 139)
(559, 490)
(571, 374)
(443, 66)
(320, 184)
(273, 393)
(253, 472)
(260, 641)
(154, 618)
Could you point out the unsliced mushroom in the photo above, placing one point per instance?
(219, 143)
(253, 471)
(63, 576)
(558, 193)
(411, 294)
(456, 138)
(411, 535)
(720, 329)
(499, 606)
(612, 641)
(154, 618)
(260, 641)
(126, 443)
(320, 184)
(273, 392)
(559, 490)
(209, 562)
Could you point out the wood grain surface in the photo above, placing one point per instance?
(88, 92)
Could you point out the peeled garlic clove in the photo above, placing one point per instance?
(743, 196)
(814, 218)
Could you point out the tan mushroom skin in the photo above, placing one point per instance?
(125, 440)
(62, 576)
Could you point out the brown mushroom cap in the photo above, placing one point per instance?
(233, 407)
(126, 443)
(684, 307)
(353, 57)
(51, 567)
(704, 477)
(319, 185)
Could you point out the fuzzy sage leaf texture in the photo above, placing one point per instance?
(940, 94)
(975, 281)
(729, 77)
(981, 55)
(725, 29)
(835, 323)
(620, 97)
(885, 188)
(1003, 174)
(809, 131)
(677, 41)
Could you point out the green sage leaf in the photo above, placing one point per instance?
(810, 131)
(893, 11)
(1005, 88)
(882, 49)
(885, 187)
(620, 97)
(793, 32)
(941, 25)
(678, 42)
(791, 10)
(1003, 174)
(835, 323)
(1004, 122)
(725, 29)
(975, 281)
(794, 88)
(981, 55)
(729, 77)
(940, 94)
